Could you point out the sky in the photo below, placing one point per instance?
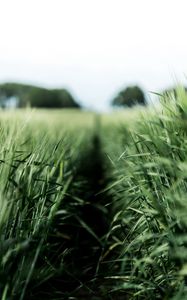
(94, 48)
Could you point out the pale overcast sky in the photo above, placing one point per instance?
(94, 47)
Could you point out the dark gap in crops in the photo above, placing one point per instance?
(75, 244)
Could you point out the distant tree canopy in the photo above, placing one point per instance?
(130, 96)
(28, 95)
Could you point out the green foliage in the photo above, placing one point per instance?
(174, 89)
(38, 167)
(99, 206)
(147, 239)
(28, 95)
(130, 96)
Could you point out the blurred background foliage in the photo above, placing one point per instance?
(23, 95)
(130, 96)
(19, 95)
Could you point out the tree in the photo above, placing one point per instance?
(130, 96)
(43, 98)
(36, 96)
(65, 98)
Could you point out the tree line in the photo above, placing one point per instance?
(23, 95)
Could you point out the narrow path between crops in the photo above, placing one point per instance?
(81, 237)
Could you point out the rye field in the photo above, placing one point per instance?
(94, 206)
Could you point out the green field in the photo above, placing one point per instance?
(94, 206)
